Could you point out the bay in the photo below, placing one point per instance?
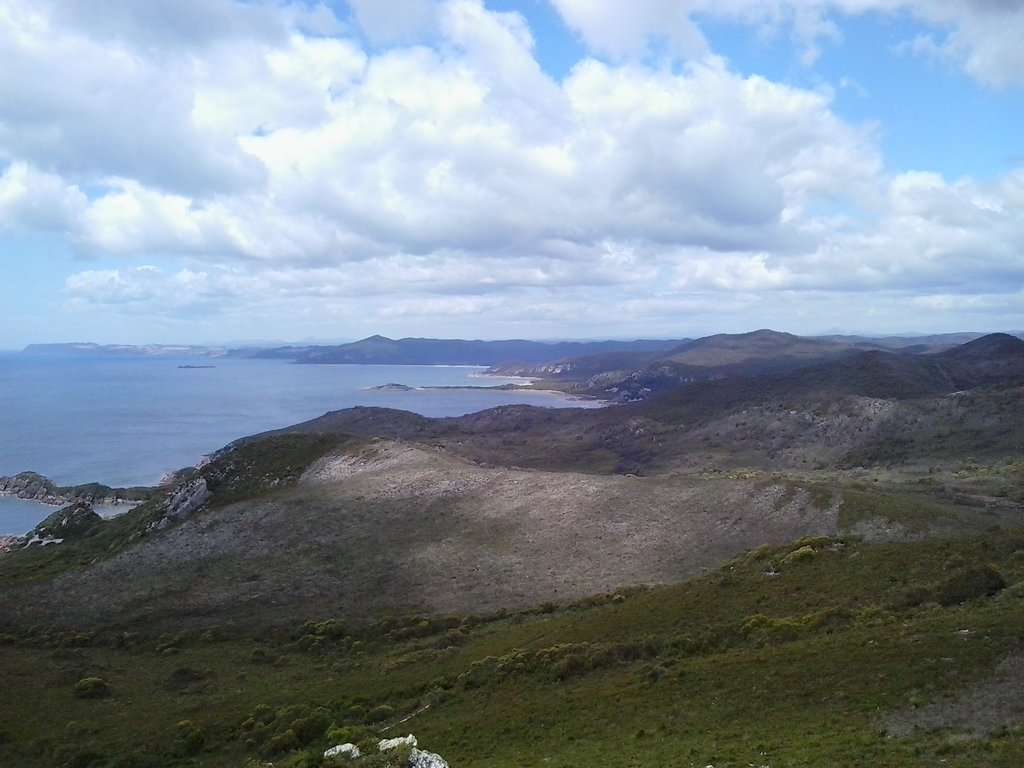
(125, 421)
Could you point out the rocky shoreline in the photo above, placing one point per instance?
(31, 486)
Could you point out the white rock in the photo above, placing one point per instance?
(386, 745)
(421, 759)
(348, 750)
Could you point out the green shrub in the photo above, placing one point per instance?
(799, 555)
(311, 726)
(348, 734)
(874, 615)
(455, 637)
(191, 739)
(570, 665)
(189, 680)
(762, 552)
(92, 688)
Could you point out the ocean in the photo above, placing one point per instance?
(126, 420)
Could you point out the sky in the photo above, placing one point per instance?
(223, 171)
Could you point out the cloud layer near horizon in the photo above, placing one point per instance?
(421, 172)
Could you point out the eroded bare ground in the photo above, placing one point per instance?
(410, 528)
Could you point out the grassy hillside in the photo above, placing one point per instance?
(826, 651)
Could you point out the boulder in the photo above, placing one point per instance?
(419, 758)
(386, 745)
(349, 750)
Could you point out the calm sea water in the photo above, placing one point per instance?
(126, 421)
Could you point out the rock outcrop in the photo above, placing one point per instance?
(418, 758)
(32, 487)
(386, 745)
(182, 502)
(73, 521)
(348, 749)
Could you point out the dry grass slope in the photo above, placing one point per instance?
(402, 528)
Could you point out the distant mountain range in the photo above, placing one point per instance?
(381, 350)
(127, 350)
(636, 375)
(874, 405)
(677, 360)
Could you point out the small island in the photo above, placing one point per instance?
(392, 387)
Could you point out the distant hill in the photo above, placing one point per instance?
(760, 348)
(637, 376)
(874, 405)
(80, 348)
(380, 350)
(914, 344)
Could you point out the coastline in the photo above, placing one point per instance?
(31, 486)
(507, 387)
(18, 517)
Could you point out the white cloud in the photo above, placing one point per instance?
(610, 31)
(394, 21)
(981, 36)
(422, 154)
(84, 107)
(148, 24)
(270, 171)
(32, 201)
(727, 273)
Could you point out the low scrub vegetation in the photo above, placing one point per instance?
(783, 656)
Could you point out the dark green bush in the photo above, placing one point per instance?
(282, 742)
(188, 680)
(312, 726)
(969, 584)
(260, 655)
